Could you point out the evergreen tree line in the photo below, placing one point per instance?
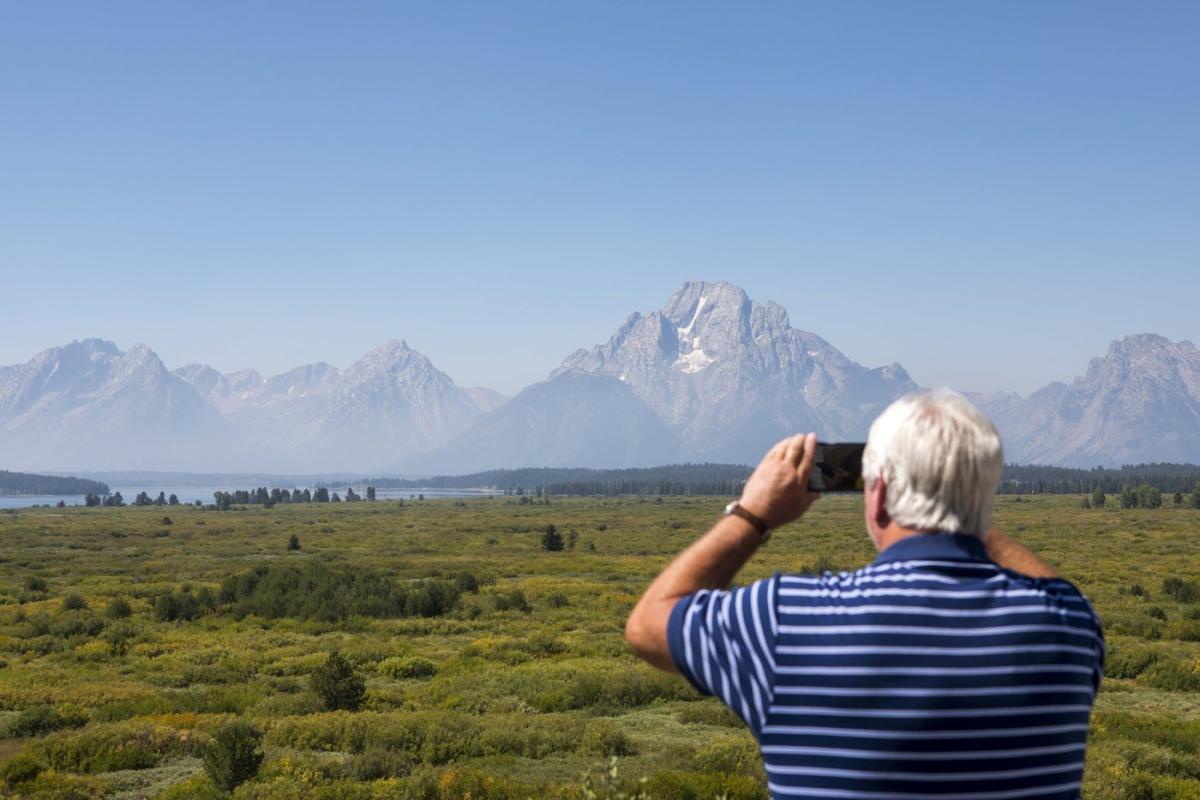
(1035, 479)
(727, 480)
(1143, 496)
(268, 498)
(27, 483)
(673, 479)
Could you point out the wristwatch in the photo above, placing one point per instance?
(736, 509)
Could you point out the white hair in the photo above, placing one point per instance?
(941, 461)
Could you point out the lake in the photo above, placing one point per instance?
(190, 494)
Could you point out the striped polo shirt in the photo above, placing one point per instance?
(931, 673)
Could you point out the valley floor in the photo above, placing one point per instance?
(520, 686)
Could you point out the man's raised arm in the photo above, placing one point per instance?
(1017, 557)
(777, 493)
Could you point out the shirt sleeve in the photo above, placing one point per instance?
(1101, 649)
(723, 642)
(1094, 626)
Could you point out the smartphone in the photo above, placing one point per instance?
(837, 468)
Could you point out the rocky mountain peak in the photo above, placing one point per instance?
(717, 365)
(1138, 402)
(1151, 346)
(245, 380)
(392, 348)
(1143, 357)
(1138, 342)
(96, 347)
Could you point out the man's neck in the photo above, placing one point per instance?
(1001, 549)
(892, 534)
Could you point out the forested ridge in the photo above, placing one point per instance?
(27, 483)
(1035, 479)
(673, 479)
(727, 479)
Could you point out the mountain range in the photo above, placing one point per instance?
(711, 376)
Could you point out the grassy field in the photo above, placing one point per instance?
(515, 689)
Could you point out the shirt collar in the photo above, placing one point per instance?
(935, 546)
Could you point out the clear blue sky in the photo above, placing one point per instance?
(985, 192)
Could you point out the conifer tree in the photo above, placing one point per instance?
(337, 684)
(552, 540)
(234, 755)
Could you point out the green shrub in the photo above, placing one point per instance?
(1181, 590)
(118, 608)
(1174, 676)
(457, 783)
(51, 785)
(197, 787)
(378, 762)
(606, 784)
(466, 583)
(43, 720)
(1148, 496)
(407, 667)
(288, 705)
(1158, 760)
(218, 674)
(317, 591)
(709, 712)
(133, 707)
(728, 754)
(19, 769)
(1185, 630)
(514, 600)
(1132, 623)
(1180, 735)
(183, 605)
(1127, 661)
(109, 747)
(118, 638)
(704, 786)
(337, 684)
(74, 602)
(612, 690)
(603, 738)
(77, 622)
(234, 755)
(542, 644)
(35, 584)
(439, 737)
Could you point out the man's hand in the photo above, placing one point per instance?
(777, 492)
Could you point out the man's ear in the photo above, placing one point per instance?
(877, 503)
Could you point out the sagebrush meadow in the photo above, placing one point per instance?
(493, 667)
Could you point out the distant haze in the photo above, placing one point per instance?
(712, 376)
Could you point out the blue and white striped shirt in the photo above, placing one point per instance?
(931, 673)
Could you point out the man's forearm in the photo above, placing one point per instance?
(777, 493)
(709, 563)
(1017, 557)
